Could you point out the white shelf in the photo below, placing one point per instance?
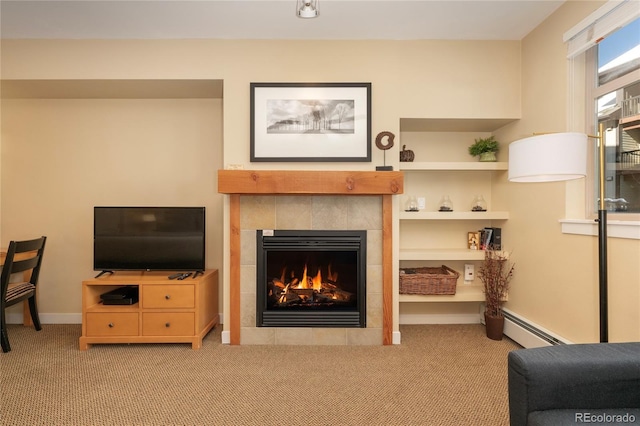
(436, 140)
(452, 166)
(441, 254)
(454, 124)
(464, 293)
(468, 215)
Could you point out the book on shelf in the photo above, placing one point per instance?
(496, 238)
(491, 238)
(486, 238)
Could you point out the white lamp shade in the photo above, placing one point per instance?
(548, 158)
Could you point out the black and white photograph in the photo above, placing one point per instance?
(310, 122)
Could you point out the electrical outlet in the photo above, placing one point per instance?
(469, 272)
(421, 203)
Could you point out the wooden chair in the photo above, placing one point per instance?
(19, 259)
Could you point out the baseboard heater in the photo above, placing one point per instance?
(528, 334)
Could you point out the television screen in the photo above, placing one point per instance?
(149, 238)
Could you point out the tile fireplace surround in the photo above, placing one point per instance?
(267, 199)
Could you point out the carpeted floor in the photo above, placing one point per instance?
(440, 375)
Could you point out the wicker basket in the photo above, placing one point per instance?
(440, 280)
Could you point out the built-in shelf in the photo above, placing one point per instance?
(423, 215)
(453, 165)
(450, 171)
(464, 293)
(454, 124)
(441, 254)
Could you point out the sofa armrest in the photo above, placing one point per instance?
(583, 376)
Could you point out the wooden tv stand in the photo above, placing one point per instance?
(168, 311)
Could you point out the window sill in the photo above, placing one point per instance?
(615, 228)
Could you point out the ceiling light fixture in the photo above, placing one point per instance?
(307, 8)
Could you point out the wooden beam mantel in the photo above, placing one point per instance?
(310, 182)
(303, 182)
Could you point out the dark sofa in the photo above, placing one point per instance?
(596, 384)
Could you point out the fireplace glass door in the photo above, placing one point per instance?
(311, 278)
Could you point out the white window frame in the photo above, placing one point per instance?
(579, 39)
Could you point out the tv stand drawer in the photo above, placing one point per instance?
(168, 296)
(168, 324)
(112, 324)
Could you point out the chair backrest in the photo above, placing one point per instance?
(31, 261)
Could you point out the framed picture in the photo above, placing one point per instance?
(313, 122)
(473, 240)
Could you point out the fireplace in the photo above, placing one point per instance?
(311, 278)
(316, 200)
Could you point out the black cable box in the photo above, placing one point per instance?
(120, 296)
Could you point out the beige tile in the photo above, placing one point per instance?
(329, 213)
(366, 336)
(329, 336)
(374, 310)
(293, 212)
(248, 279)
(257, 336)
(374, 247)
(364, 213)
(247, 309)
(294, 336)
(248, 247)
(257, 212)
(374, 278)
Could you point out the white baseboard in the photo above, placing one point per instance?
(225, 337)
(16, 318)
(529, 334)
(396, 338)
(440, 319)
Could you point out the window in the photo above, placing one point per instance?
(613, 96)
(601, 89)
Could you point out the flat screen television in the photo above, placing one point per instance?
(149, 238)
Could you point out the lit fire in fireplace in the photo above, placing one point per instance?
(307, 290)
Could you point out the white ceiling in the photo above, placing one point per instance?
(265, 19)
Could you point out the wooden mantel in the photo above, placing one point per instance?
(315, 182)
(309, 182)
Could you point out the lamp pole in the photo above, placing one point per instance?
(602, 242)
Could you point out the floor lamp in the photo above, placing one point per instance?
(563, 156)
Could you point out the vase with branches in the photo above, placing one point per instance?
(495, 273)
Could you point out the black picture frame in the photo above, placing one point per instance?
(310, 122)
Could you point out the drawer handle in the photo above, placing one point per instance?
(111, 325)
(168, 325)
(168, 296)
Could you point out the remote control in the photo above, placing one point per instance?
(185, 275)
(174, 276)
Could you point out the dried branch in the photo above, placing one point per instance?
(495, 273)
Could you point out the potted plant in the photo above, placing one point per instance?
(485, 148)
(495, 273)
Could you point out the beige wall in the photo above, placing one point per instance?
(555, 284)
(410, 79)
(556, 281)
(61, 157)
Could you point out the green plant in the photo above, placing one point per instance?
(483, 145)
(495, 273)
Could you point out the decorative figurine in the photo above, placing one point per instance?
(384, 147)
(406, 155)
